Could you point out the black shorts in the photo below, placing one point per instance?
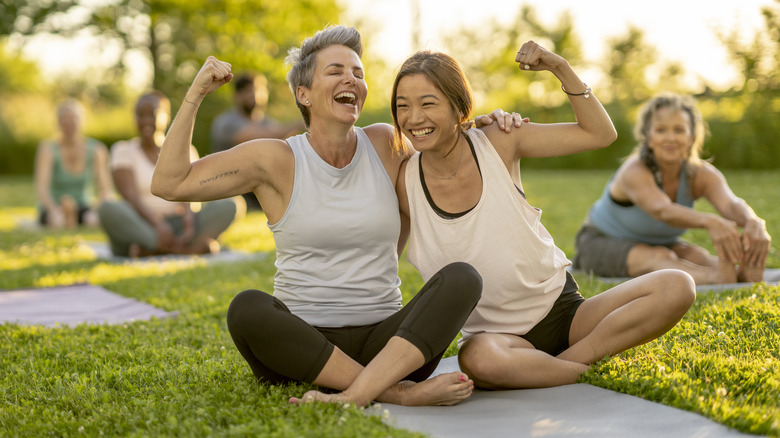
(551, 334)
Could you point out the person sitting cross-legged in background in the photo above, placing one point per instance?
(142, 224)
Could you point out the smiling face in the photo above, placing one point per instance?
(150, 116)
(70, 121)
(670, 136)
(338, 88)
(424, 114)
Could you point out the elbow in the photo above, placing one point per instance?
(161, 190)
(607, 138)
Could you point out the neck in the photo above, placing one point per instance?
(70, 140)
(335, 144)
(149, 142)
(446, 165)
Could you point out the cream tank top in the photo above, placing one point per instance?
(336, 245)
(522, 270)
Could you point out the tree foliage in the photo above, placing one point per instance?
(493, 73)
(175, 36)
(27, 17)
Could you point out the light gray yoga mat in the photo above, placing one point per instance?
(579, 410)
(771, 278)
(73, 305)
(103, 251)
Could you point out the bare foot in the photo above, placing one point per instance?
(727, 273)
(751, 274)
(312, 396)
(134, 251)
(443, 390)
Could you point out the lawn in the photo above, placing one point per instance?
(182, 376)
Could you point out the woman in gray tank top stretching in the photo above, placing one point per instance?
(336, 317)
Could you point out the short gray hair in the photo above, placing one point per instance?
(302, 59)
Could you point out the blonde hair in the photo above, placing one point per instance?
(645, 121)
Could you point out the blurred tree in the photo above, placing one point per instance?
(176, 36)
(493, 74)
(627, 60)
(27, 17)
(743, 121)
(17, 74)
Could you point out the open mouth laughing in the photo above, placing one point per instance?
(346, 98)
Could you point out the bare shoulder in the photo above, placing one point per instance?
(45, 146)
(633, 176)
(505, 143)
(262, 151)
(380, 134)
(708, 179)
(631, 168)
(707, 170)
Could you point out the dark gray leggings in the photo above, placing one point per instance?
(280, 346)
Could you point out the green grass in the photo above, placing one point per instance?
(183, 376)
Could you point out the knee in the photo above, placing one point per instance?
(466, 277)
(475, 362)
(244, 308)
(678, 287)
(107, 211)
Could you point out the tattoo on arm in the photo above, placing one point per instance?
(218, 176)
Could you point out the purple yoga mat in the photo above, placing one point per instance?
(73, 305)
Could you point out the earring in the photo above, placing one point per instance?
(307, 102)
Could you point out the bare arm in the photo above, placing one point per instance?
(592, 130)
(102, 172)
(381, 136)
(755, 240)
(216, 176)
(403, 207)
(124, 180)
(636, 183)
(43, 170)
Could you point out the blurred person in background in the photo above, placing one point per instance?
(142, 224)
(635, 227)
(66, 170)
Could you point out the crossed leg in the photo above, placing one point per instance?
(381, 379)
(627, 315)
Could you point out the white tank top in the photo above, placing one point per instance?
(336, 245)
(523, 272)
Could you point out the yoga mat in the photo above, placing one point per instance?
(771, 278)
(73, 305)
(103, 251)
(578, 410)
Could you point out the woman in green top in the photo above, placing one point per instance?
(65, 170)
